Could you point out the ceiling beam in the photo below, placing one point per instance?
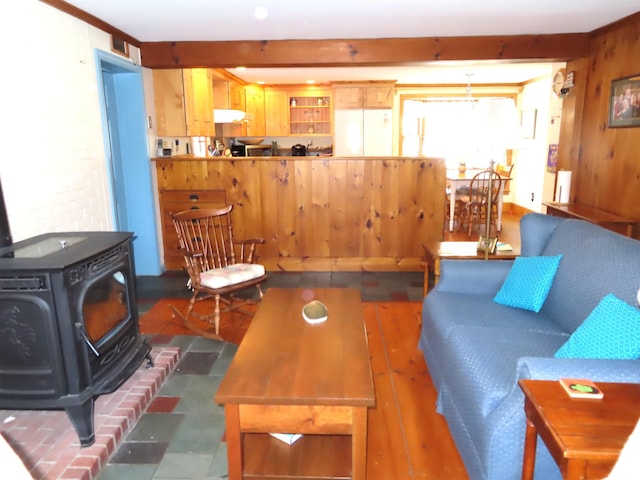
(362, 52)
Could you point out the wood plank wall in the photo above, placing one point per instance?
(338, 214)
(605, 161)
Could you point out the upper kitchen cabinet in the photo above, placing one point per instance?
(199, 101)
(276, 103)
(310, 111)
(255, 108)
(184, 102)
(370, 95)
(227, 94)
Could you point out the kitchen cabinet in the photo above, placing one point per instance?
(276, 104)
(255, 108)
(183, 102)
(378, 95)
(236, 96)
(310, 111)
(174, 201)
(198, 91)
(227, 94)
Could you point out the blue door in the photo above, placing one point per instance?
(125, 138)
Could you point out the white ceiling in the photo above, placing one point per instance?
(216, 20)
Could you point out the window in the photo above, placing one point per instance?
(474, 131)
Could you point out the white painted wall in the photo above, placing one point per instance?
(530, 171)
(52, 163)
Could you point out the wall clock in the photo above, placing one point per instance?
(558, 81)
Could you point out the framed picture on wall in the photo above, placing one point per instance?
(624, 103)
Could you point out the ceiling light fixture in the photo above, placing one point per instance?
(311, 82)
(261, 13)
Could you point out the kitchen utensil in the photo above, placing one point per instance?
(298, 150)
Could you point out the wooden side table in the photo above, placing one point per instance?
(584, 436)
(434, 251)
(607, 220)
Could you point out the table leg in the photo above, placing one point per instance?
(425, 288)
(436, 270)
(359, 444)
(529, 458)
(234, 441)
(452, 206)
(500, 202)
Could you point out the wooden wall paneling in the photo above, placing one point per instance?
(321, 204)
(430, 185)
(340, 221)
(268, 207)
(303, 215)
(334, 214)
(373, 223)
(571, 126)
(355, 207)
(409, 241)
(390, 191)
(608, 172)
(243, 188)
(285, 201)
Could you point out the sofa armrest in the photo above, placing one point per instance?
(598, 370)
(472, 276)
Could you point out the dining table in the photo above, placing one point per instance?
(456, 180)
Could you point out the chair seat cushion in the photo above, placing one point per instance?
(231, 275)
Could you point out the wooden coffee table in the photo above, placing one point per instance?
(289, 376)
(585, 437)
(435, 251)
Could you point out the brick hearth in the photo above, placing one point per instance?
(48, 444)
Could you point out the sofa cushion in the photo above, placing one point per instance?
(444, 312)
(482, 362)
(612, 330)
(595, 262)
(528, 282)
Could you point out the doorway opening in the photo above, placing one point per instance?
(121, 93)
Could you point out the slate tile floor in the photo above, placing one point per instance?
(181, 435)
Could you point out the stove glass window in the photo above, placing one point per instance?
(105, 305)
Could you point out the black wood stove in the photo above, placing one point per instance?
(68, 322)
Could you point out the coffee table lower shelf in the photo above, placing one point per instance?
(313, 456)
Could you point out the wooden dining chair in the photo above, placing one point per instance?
(219, 266)
(475, 211)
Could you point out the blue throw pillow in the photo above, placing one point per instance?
(612, 330)
(528, 282)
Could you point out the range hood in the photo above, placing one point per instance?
(224, 115)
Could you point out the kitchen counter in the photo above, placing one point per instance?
(323, 213)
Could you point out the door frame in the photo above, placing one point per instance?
(128, 161)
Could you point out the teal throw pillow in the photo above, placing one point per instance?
(528, 282)
(612, 330)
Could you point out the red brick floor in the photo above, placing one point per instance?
(48, 444)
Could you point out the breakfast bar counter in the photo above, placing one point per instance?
(320, 213)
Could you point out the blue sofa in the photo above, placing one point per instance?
(477, 350)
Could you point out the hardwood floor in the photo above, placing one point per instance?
(407, 438)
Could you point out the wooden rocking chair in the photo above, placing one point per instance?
(218, 266)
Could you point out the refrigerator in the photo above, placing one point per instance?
(360, 133)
